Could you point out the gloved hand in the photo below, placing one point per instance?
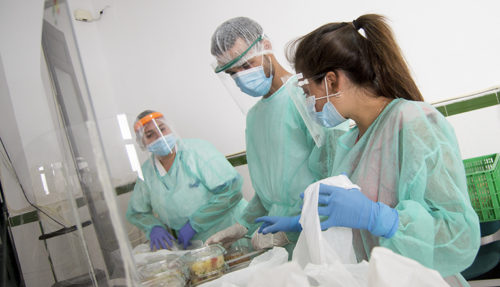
(273, 224)
(261, 241)
(351, 208)
(228, 236)
(160, 238)
(185, 234)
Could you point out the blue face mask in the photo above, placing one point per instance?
(329, 116)
(253, 81)
(163, 146)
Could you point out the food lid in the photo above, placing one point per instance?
(204, 253)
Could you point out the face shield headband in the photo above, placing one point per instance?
(219, 69)
(146, 119)
(142, 122)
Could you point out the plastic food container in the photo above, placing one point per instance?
(206, 263)
(240, 254)
(166, 279)
(167, 267)
(236, 255)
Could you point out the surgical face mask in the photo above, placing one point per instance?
(329, 116)
(253, 81)
(163, 145)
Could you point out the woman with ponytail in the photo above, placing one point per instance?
(402, 152)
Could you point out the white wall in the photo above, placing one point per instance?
(20, 52)
(478, 132)
(157, 53)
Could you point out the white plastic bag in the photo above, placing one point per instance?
(328, 256)
(285, 275)
(338, 274)
(390, 269)
(322, 247)
(268, 260)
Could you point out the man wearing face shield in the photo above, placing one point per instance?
(186, 186)
(278, 143)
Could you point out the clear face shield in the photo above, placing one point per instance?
(246, 71)
(305, 104)
(155, 134)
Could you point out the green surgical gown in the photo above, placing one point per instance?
(409, 159)
(278, 150)
(201, 186)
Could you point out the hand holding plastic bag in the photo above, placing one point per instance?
(351, 208)
(326, 258)
(160, 238)
(228, 236)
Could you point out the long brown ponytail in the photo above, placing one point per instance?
(364, 49)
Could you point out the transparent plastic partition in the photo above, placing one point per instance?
(62, 189)
(82, 228)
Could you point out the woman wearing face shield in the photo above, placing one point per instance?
(186, 186)
(402, 153)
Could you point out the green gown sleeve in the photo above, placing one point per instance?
(432, 192)
(253, 210)
(139, 211)
(224, 198)
(221, 179)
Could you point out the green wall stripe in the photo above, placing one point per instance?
(24, 218)
(469, 105)
(32, 216)
(442, 110)
(80, 202)
(238, 160)
(125, 188)
(241, 159)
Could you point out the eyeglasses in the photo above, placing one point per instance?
(304, 82)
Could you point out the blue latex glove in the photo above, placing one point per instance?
(160, 238)
(351, 208)
(273, 224)
(185, 234)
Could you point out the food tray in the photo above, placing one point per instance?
(240, 262)
(205, 263)
(165, 279)
(171, 264)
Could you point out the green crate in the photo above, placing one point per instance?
(483, 183)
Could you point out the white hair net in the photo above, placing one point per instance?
(235, 41)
